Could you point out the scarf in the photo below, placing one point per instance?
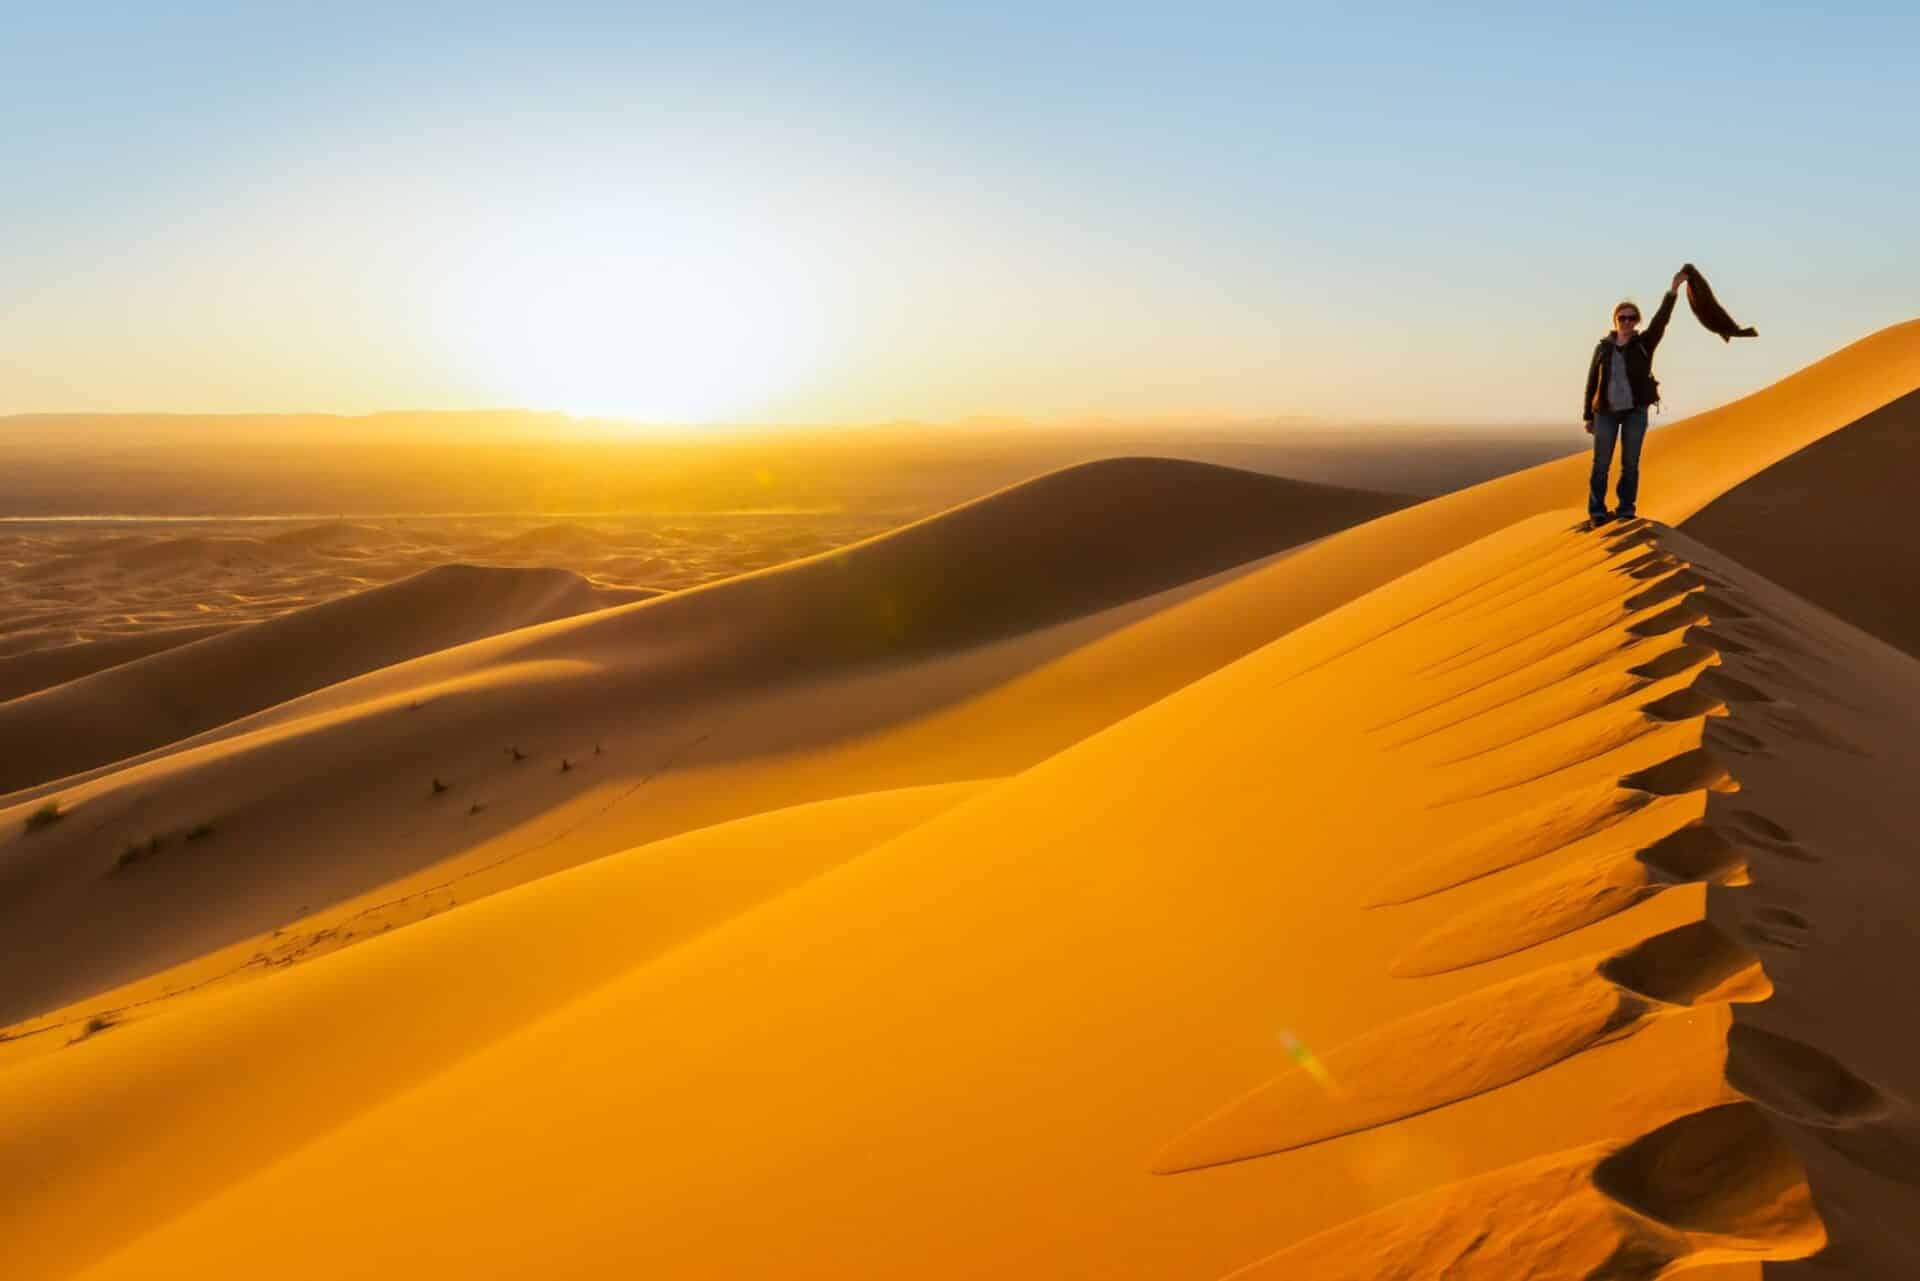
(1707, 309)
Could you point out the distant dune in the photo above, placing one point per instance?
(336, 534)
(1144, 872)
(213, 464)
(175, 694)
(25, 673)
(550, 538)
(69, 582)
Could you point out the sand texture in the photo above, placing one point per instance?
(1445, 892)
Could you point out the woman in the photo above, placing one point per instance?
(1620, 387)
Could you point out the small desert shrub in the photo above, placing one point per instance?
(199, 831)
(139, 851)
(565, 764)
(438, 786)
(46, 816)
(93, 1027)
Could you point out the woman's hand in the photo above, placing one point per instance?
(1679, 278)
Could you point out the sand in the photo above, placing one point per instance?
(127, 585)
(1467, 894)
(1835, 524)
(577, 738)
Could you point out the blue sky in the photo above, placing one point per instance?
(860, 212)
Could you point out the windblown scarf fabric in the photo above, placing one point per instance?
(1707, 309)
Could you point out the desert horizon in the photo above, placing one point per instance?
(1207, 645)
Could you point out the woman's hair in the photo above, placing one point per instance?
(1622, 305)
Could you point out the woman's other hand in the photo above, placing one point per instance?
(1679, 278)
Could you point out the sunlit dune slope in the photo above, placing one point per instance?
(1836, 523)
(252, 1073)
(40, 669)
(167, 696)
(1509, 904)
(573, 739)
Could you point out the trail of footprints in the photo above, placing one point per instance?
(1718, 1183)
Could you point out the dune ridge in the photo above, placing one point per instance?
(1187, 992)
(132, 707)
(1609, 1210)
(43, 668)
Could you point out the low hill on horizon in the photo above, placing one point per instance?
(395, 464)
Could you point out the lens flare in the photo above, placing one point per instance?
(1310, 1063)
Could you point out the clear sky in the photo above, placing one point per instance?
(798, 212)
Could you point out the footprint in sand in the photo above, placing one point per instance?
(1778, 927)
(1715, 1184)
(1446, 1053)
(1691, 771)
(1851, 1115)
(1670, 619)
(1735, 739)
(1677, 583)
(1672, 662)
(1572, 898)
(1758, 833)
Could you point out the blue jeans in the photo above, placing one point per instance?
(1631, 429)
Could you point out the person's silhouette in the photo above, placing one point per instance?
(1620, 388)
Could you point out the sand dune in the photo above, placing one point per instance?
(175, 694)
(551, 538)
(1467, 894)
(44, 668)
(655, 698)
(1835, 523)
(649, 901)
(69, 582)
(338, 535)
(1036, 996)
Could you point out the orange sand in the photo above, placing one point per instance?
(1578, 863)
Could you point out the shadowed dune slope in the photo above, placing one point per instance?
(44, 668)
(1836, 522)
(1134, 1013)
(135, 706)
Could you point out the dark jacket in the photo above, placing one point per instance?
(1638, 352)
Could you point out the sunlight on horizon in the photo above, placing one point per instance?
(620, 315)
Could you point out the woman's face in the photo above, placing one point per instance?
(1625, 321)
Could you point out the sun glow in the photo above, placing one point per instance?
(651, 329)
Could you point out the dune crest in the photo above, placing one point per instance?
(178, 693)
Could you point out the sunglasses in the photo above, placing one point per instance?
(1627, 318)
